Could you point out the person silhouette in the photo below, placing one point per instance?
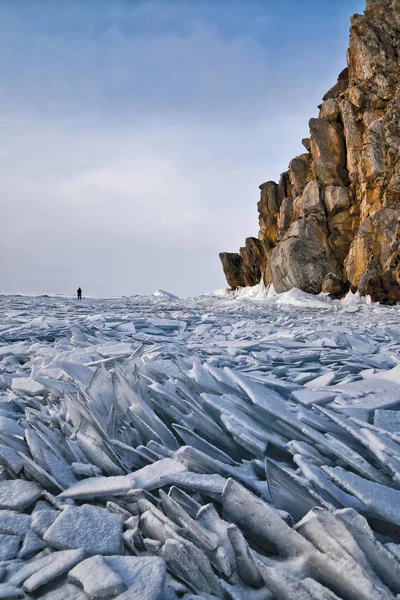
(79, 292)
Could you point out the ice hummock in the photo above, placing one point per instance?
(244, 445)
(164, 294)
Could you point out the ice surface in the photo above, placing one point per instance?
(10, 592)
(143, 576)
(378, 555)
(296, 297)
(10, 427)
(63, 592)
(10, 459)
(24, 570)
(245, 443)
(97, 578)
(388, 420)
(158, 474)
(309, 397)
(27, 385)
(190, 565)
(60, 564)
(245, 563)
(321, 381)
(100, 486)
(43, 517)
(371, 394)
(260, 521)
(382, 500)
(14, 523)
(31, 545)
(92, 528)
(18, 494)
(208, 484)
(9, 546)
(164, 294)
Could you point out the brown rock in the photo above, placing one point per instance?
(300, 173)
(334, 286)
(329, 110)
(373, 154)
(339, 87)
(336, 199)
(246, 268)
(345, 223)
(372, 52)
(302, 260)
(284, 187)
(268, 229)
(252, 258)
(342, 228)
(268, 208)
(383, 288)
(296, 229)
(285, 216)
(336, 212)
(297, 208)
(386, 228)
(269, 200)
(312, 204)
(328, 152)
(353, 131)
(371, 3)
(232, 265)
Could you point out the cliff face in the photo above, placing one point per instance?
(333, 220)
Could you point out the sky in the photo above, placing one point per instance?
(135, 133)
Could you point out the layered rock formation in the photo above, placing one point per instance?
(333, 220)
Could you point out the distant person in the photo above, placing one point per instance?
(79, 292)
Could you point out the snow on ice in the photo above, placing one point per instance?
(239, 445)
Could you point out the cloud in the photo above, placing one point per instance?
(161, 191)
(134, 136)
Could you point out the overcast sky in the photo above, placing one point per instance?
(134, 134)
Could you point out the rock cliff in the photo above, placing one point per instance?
(333, 220)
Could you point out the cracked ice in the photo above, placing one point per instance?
(230, 447)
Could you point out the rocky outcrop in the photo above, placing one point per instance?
(333, 220)
(245, 268)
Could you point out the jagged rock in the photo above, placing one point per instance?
(312, 204)
(232, 264)
(269, 197)
(328, 151)
(334, 286)
(252, 259)
(342, 227)
(329, 110)
(353, 130)
(247, 267)
(370, 3)
(348, 181)
(268, 228)
(383, 288)
(373, 156)
(302, 258)
(340, 86)
(284, 187)
(297, 209)
(285, 216)
(268, 208)
(300, 173)
(372, 259)
(336, 199)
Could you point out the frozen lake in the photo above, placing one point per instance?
(217, 447)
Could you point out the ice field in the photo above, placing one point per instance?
(244, 447)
